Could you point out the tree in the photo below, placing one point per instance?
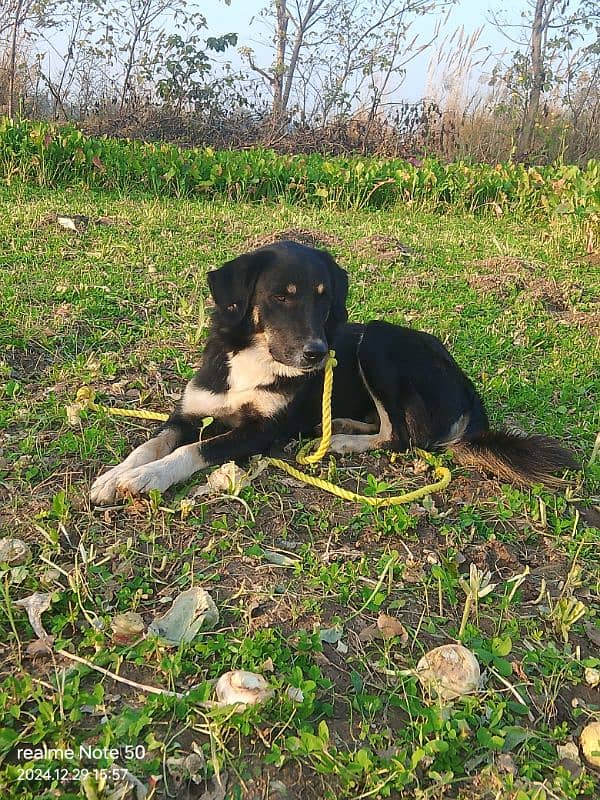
(326, 50)
(542, 17)
(302, 19)
(14, 15)
(547, 36)
(181, 67)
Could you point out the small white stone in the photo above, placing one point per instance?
(449, 671)
(242, 687)
(592, 676)
(590, 743)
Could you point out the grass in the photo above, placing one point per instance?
(122, 308)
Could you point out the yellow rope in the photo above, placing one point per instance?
(85, 398)
(377, 502)
(301, 455)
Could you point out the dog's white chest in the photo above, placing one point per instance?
(250, 371)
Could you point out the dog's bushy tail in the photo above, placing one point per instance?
(516, 458)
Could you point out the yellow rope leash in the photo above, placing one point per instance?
(85, 399)
(301, 455)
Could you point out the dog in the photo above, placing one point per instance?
(278, 311)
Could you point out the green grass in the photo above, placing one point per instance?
(122, 308)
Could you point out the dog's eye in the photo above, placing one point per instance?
(281, 298)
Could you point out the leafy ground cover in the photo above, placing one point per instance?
(59, 156)
(300, 578)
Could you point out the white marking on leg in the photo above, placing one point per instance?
(103, 491)
(177, 467)
(343, 443)
(347, 425)
(199, 402)
(456, 432)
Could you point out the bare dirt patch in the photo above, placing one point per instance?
(27, 362)
(506, 265)
(385, 249)
(308, 236)
(506, 275)
(584, 319)
(501, 285)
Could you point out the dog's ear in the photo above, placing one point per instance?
(339, 284)
(232, 285)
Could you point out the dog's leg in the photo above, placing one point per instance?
(183, 462)
(344, 443)
(346, 425)
(176, 431)
(175, 467)
(103, 491)
(363, 442)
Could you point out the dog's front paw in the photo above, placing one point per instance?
(141, 480)
(104, 488)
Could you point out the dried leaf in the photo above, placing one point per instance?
(450, 671)
(228, 479)
(331, 635)
(127, 627)
(73, 412)
(295, 694)
(592, 677)
(14, 552)
(50, 576)
(40, 647)
(506, 763)
(240, 687)
(590, 743)
(390, 627)
(188, 768)
(35, 605)
(191, 610)
(369, 633)
(568, 750)
(279, 559)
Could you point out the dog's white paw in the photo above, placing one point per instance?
(345, 443)
(141, 480)
(104, 488)
(341, 444)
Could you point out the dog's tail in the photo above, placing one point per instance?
(517, 458)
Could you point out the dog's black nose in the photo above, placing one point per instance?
(314, 351)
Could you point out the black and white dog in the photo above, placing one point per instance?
(278, 311)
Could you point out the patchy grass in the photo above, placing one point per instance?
(121, 307)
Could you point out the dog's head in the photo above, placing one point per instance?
(294, 296)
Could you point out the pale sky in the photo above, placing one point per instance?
(242, 17)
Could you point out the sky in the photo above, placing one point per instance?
(242, 17)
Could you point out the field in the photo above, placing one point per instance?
(300, 578)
